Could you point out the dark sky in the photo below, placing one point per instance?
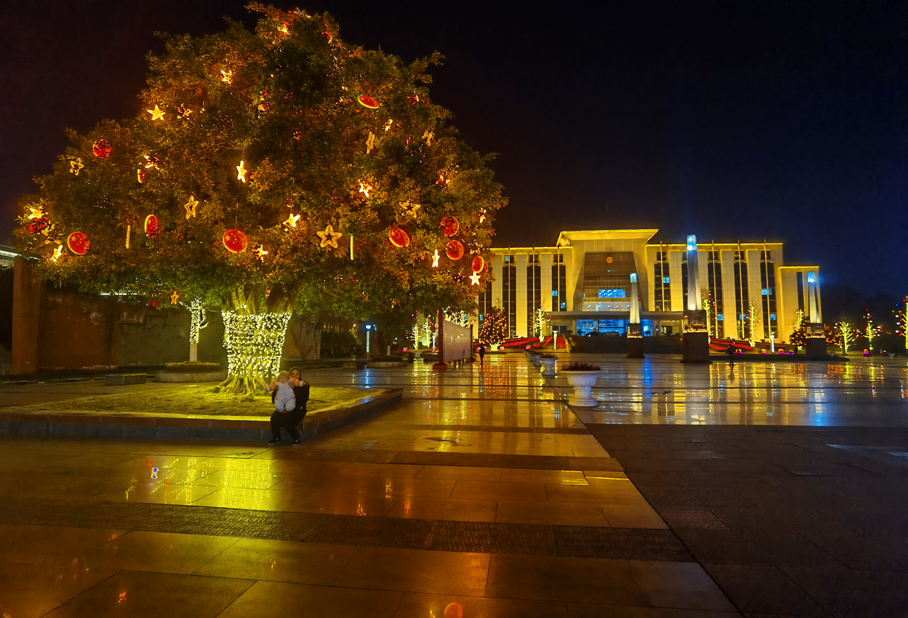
(750, 120)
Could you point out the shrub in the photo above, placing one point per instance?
(188, 367)
(580, 367)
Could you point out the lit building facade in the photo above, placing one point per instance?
(582, 285)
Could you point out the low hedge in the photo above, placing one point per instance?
(188, 367)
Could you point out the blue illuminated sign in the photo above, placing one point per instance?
(619, 293)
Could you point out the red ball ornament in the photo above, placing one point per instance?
(78, 243)
(478, 264)
(454, 250)
(366, 101)
(398, 237)
(101, 148)
(152, 226)
(449, 226)
(37, 225)
(235, 241)
(454, 610)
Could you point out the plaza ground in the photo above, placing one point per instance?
(770, 490)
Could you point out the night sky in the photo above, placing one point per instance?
(744, 120)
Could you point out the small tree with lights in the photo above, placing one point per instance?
(846, 334)
(798, 336)
(709, 306)
(870, 330)
(494, 327)
(272, 171)
(901, 320)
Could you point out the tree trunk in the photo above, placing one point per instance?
(255, 327)
(193, 352)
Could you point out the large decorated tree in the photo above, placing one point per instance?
(268, 172)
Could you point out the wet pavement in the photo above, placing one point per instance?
(772, 489)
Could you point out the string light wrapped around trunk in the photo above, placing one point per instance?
(254, 344)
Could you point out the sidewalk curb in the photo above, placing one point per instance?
(238, 428)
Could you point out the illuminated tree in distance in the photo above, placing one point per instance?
(901, 319)
(846, 334)
(709, 305)
(268, 172)
(494, 327)
(870, 332)
(798, 336)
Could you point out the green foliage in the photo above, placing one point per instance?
(283, 100)
(192, 367)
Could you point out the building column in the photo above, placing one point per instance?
(521, 297)
(695, 334)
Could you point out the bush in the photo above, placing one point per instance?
(580, 367)
(188, 367)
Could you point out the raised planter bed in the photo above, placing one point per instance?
(191, 377)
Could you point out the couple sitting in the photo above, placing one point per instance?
(289, 395)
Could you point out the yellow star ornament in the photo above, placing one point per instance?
(435, 259)
(428, 136)
(190, 206)
(474, 278)
(292, 220)
(370, 143)
(174, 298)
(329, 237)
(157, 113)
(241, 171)
(75, 166)
(58, 252)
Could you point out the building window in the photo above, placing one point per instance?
(768, 284)
(662, 296)
(714, 275)
(742, 296)
(559, 283)
(509, 291)
(534, 291)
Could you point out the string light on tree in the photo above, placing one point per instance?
(370, 142)
(227, 77)
(259, 253)
(292, 220)
(901, 318)
(156, 114)
(254, 344)
(58, 252)
(435, 258)
(329, 237)
(190, 207)
(241, 171)
(365, 187)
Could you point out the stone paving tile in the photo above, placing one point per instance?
(129, 593)
(283, 600)
(495, 538)
(853, 594)
(29, 590)
(619, 544)
(756, 590)
(692, 517)
(419, 605)
(693, 496)
(373, 532)
(766, 549)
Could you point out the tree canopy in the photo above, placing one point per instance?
(259, 162)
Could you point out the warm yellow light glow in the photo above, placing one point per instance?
(174, 298)
(409, 208)
(388, 124)
(365, 187)
(128, 231)
(57, 253)
(435, 259)
(291, 220)
(260, 253)
(190, 207)
(157, 113)
(370, 142)
(36, 212)
(474, 278)
(329, 237)
(241, 171)
(428, 136)
(227, 77)
(75, 166)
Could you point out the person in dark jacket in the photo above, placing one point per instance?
(290, 420)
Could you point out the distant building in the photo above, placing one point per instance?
(582, 284)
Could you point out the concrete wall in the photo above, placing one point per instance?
(62, 329)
